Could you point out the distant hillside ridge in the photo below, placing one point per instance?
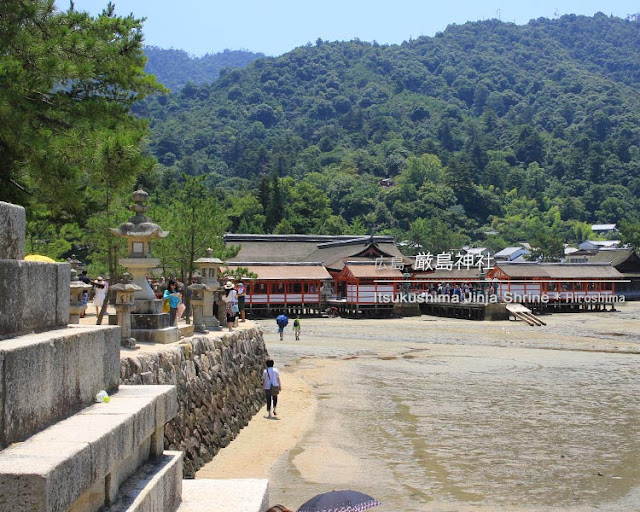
(174, 68)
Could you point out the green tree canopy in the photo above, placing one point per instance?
(195, 222)
(630, 233)
(67, 84)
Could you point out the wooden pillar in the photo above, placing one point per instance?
(268, 287)
(286, 285)
(375, 293)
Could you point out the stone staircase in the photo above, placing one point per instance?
(60, 451)
(80, 463)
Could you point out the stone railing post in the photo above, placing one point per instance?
(222, 308)
(76, 304)
(124, 302)
(197, 302)
(209, 268)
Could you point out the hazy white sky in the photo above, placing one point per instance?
(277, 26)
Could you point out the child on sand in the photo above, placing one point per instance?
(296, 327)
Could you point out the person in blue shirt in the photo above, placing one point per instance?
(173, 295)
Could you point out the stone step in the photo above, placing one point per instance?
(163, 336)
(152, 306)
(231, 495)
(186, 329)
(82, 461)
(150, 321)
(155, 487)
(48, 376)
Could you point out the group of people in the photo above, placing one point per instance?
(234, 297)
(282, 321)
(464, 291)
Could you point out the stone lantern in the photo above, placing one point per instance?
(148, 322)
(76, 305)
(198, 290)
(139, 231)
(210, 270)
(74, 262)
(124, 302)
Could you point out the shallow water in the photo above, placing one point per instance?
(457, 415)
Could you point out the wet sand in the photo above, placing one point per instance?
(439, 414)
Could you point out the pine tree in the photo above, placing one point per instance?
(67, 84)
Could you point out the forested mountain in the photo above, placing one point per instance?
(488, 133)
(175, 68)
(531, 131)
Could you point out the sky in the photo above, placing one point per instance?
(275, 27)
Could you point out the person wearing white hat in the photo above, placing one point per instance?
(101, 288)
(231, 298)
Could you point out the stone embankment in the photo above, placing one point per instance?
(218, 377)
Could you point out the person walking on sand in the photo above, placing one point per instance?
(272, 386)
(282, 322)
(296, 327)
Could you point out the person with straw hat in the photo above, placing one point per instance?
(101, 288)
(231, 299)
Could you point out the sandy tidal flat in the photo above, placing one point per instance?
(438, 414)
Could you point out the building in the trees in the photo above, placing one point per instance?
(517, 252)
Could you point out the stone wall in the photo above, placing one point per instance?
(36, 297)
(219, 389)
(13, 225)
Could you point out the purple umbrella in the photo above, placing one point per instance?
(339, 501)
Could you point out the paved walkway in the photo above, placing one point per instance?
(91, 318)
